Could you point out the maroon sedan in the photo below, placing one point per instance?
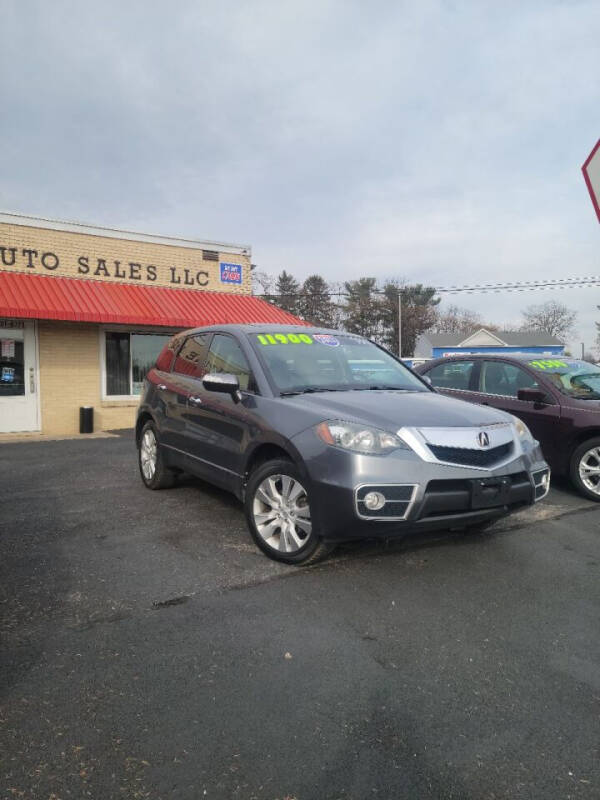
(557, 398)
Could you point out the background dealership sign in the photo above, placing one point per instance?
(591, 174)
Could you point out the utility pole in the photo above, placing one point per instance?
(399, 324)
(582, 350)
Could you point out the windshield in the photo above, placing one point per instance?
(575, 378)
(302, 362)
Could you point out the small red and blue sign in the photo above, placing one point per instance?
(231, 273)
(326, 338)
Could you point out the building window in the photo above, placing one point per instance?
(128, 357)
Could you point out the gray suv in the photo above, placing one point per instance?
(325, 436)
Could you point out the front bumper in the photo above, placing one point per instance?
(420, 495)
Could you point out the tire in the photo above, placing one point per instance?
(278, 513)
(585, 469)
(155, 474)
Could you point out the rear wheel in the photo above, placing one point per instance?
(278, 514)
(154, 472)
(585, 469)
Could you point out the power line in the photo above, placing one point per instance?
(515, 286)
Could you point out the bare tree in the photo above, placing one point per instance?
(262, 282)
(455, 319)
(552, 318)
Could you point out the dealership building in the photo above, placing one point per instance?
(482, 341)
(85, 310)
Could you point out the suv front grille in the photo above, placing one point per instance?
(468, 457)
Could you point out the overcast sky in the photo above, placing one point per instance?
(437, 141)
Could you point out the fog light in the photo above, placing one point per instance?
(545, 480)
(374, 501)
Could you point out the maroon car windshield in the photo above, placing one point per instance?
(576, 378)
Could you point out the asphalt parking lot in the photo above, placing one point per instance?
(149, 650)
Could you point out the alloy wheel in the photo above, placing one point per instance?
(281, 513)
(589, 470)
(148, 454)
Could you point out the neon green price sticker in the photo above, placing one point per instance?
(284, 338)
(547, 363)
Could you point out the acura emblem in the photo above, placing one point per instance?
(483, 439)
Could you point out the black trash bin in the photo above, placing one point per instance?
(86, 419)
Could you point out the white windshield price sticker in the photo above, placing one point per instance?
(326, 338)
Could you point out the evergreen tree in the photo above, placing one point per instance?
(361, 309)
(418, 314)
(315, 302)
(287, 287)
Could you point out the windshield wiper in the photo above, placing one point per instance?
(377, 387)
(308, 390)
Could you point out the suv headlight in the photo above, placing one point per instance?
(359, 438)
(523, 431)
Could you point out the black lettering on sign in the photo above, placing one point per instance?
(83, 267)
(151, 272)
(174, 278)
(30, 254)
(118, 272)
(12, 250)
(134, 271)
(102, 268)
(49, 260)
(200, 276)
(188, 279)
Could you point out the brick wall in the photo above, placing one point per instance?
(70, 377)
(122, 260)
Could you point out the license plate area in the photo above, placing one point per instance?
(489, 492)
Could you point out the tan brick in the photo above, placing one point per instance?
(69, 247)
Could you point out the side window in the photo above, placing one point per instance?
(190, 359)
(505, 379)
(452, 375)
(225, 355)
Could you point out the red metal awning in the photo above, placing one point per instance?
(43, 297)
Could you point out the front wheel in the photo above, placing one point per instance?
(585, 469)
(278, 513)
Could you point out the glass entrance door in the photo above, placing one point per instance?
(18, 377)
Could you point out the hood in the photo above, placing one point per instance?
(392, 410)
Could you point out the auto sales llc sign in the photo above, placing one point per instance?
(99, 266)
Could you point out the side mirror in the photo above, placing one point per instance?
(532, 396)
(223, 382)
(427, 379)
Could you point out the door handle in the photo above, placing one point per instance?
(162, 387)
(194, 400)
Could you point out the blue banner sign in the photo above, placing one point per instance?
(231, 273)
